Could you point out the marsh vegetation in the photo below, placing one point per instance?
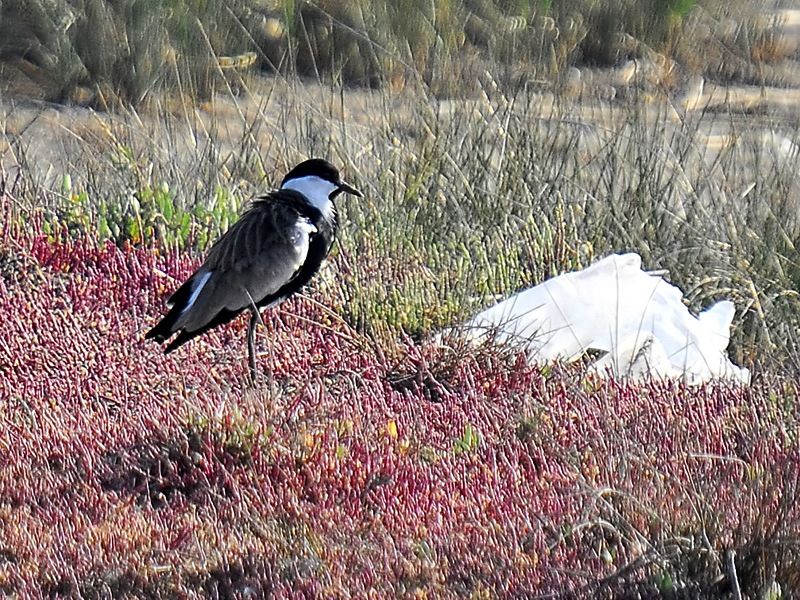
(498, 144)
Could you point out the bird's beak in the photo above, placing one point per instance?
(346, 187)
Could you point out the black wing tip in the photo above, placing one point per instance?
(165, 328)
(160, 338)
(173, 345)
(154, 335)
(162, 330)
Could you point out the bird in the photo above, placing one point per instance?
(270, 253)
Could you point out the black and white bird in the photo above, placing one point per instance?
(271, 252)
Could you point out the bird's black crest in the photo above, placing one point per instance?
(315, 166)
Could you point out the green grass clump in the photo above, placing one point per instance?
(148, 215)
(147, 211)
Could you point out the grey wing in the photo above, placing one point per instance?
(257, 256)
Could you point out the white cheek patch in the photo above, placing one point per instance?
(196, 289)
(316, 189)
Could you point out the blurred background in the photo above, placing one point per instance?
(96, 52)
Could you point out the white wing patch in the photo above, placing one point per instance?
(197, 287)
(301, 240)
(306, 226)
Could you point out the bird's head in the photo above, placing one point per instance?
(318, 180)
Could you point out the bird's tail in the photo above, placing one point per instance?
(222, 317)
(165, 327)
(180, 301)
(168, 325)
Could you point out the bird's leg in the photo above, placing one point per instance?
(251, 343)
(255, 318)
